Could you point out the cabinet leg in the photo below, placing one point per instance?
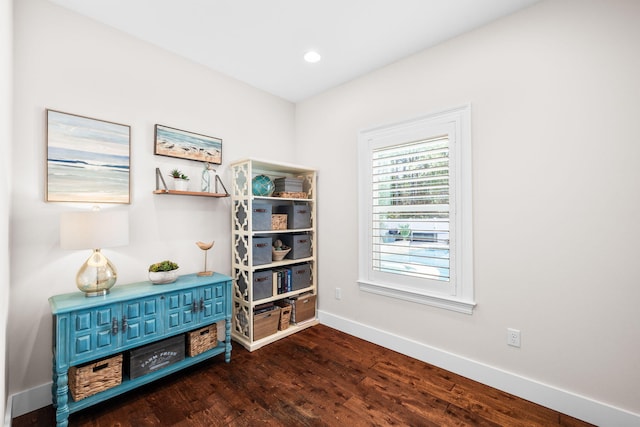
(227, 341)
(60, 398)
(54, 386)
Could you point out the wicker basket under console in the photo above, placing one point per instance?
(202, 339)
(94, 377)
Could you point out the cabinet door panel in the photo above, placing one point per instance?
(181, 309)
(218, 308)
(174, 320)
(91, 333)
(142, 319)
(212, 302)
(219, 300)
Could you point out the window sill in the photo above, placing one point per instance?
(412, 295)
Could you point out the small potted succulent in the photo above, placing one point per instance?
(163, 272)
(180, 180)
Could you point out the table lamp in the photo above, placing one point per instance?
(94, 230)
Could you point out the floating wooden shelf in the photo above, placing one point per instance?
(165, 190)
(190, 193)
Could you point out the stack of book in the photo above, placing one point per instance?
(282, 279)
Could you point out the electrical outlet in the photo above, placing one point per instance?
(338, 293)
(513, 337)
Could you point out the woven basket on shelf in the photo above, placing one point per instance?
(87, 380)
(279, 221)
(292, 195)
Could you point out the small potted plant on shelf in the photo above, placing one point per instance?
(180, 180)
(163, 272)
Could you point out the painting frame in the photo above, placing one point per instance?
(182, 144)
(88, 159)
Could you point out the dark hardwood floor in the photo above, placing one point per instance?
(318, 377)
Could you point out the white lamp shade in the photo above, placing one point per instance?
(94, 230)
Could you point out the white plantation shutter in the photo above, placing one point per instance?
(410, 209)
(415, 210)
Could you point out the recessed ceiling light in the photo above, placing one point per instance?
(312, 56)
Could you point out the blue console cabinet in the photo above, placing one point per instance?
(86, 329)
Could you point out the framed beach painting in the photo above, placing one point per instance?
(187, 145)
(88, 160)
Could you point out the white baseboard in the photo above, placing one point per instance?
(563, 401)
(29, 400)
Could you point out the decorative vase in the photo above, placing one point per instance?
(181, 184)
(163, 277)
(208, 179)
(262, 185)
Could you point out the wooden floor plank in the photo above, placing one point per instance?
(317, 377)
(501, 407)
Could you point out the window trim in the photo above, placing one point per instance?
(460, 295)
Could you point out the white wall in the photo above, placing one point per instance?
(67, 62)
(554, 92)
(6, 67)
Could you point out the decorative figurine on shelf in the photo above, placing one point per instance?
(205, 247)
(209, 183)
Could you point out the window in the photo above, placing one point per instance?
(415, 210)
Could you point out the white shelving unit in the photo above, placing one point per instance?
(243, 270)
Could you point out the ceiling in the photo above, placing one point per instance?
(262, 42)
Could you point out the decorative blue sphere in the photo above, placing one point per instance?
(262, 186)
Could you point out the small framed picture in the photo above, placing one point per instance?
(187, 145)
(88, 160)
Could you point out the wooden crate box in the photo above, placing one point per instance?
(304, 308)
(266, 323)
(150, 358)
